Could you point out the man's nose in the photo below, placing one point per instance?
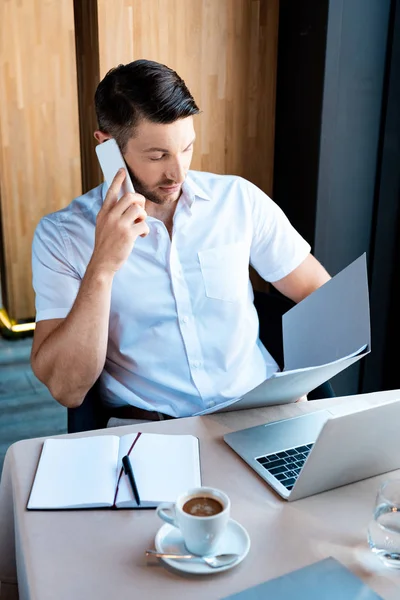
(176, 172)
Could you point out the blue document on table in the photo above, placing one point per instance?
(324, 580)
(322, 335)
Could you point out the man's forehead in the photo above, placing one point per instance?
(149, 135)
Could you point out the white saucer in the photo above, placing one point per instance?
(235, 540)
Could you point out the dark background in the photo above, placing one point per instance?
(337, 154)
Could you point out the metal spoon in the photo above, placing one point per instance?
(221, 560)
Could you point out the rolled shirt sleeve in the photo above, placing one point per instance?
(55, 281)
(277, 247)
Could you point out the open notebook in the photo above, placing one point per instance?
(86, 472)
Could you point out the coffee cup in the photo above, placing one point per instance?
(201, 514)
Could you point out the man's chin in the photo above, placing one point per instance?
(164, 195)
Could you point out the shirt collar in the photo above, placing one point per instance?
(193, 190)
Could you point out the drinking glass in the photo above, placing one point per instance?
(384, 528)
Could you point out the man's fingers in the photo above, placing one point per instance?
(143, 229)
(114, 189)
(302, 398)
(128, 200)
(134, 214)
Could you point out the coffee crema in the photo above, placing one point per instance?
(202, 506)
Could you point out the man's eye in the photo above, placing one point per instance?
(157, 157)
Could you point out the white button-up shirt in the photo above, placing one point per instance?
(183, 330)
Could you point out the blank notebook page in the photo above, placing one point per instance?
(164, 466)
(76, 472)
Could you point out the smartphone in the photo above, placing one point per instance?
(111, 160)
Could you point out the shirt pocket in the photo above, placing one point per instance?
(225, 271)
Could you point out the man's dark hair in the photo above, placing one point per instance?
(141, 89)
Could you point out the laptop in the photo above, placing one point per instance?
(305, 455)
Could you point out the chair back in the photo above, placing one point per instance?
(91, 414)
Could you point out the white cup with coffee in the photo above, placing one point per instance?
(202, 515)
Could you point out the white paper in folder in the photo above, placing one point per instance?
(322, 335)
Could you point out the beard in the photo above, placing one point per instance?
(141, 188)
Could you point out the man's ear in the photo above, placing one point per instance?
(101, 136)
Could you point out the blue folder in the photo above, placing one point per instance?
(324, 580)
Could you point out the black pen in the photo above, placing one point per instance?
(126, 463)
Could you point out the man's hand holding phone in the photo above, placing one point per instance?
(119, 223)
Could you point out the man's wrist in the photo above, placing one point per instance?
(99, 273)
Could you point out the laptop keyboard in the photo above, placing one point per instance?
(286, 465)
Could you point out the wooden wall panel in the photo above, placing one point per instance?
(226, 51)
(39, 134)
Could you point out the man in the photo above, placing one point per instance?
(151, 293)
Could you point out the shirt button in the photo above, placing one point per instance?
(185, 319)
(196, 364)
(211, 404)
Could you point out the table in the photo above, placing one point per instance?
(100, 553)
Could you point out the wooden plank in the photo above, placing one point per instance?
(40, 168)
